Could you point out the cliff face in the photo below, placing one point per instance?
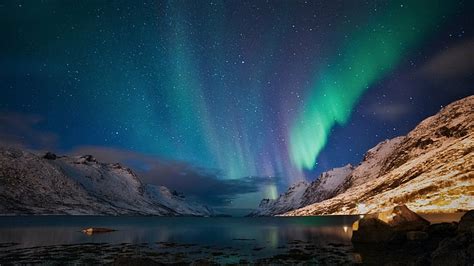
(31, 184)
(430, 170)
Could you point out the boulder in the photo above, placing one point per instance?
(467, 222)
(416, 235)
(372, 230)
(441, 230)
(397, 224)
(400, 218)
(458, 250)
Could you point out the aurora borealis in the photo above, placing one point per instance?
(257, 93)
(368, 55)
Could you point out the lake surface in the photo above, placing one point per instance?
(58, 239)
(243, 238)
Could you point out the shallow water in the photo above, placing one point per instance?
(248, 238)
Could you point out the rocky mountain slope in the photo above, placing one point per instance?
(32, 184)
(430, 170)
(303, 193)
(288, 201)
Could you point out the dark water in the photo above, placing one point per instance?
(248, 238)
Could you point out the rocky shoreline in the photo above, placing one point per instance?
(402, 236)
(294, 252)
(398, 236)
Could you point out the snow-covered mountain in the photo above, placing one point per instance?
(327, 185)
(302, 193)
(32, 184)
(430, 170)
(288, 201)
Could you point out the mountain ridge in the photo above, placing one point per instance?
(431, 169)
(80, 185)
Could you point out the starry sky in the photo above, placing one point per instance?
(228, 101)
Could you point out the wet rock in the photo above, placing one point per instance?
(416, 235)
(372, 230)
(401, 218)
(96, 230)
(467, 222)
(458, 250)
(50, 156)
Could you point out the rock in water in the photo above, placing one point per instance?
(372, 230)
(96, 230)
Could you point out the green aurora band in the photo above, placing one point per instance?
(368, 56)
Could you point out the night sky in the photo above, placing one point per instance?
(228, 101)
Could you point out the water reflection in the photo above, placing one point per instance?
(266, 232)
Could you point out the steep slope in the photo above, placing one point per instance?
(30, 184)
(290, 200)
(333, 182)
(176, 202)
(430, 170)
(327, 185)
(373, 162)
(302, 193)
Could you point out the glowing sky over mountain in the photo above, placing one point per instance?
(253, 95)
(368, 54)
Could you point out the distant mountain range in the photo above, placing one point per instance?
(430, 170)
(53, 185)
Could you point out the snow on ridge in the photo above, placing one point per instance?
(327, 184)
(373, 162)
(303, 193)
(430, 170)
(81, 185)
(175, 201)
(289, 200)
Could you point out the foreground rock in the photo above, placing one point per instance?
(466, 223)
(403, 219)
(372, 230)
(389, 237)
(388, 226)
